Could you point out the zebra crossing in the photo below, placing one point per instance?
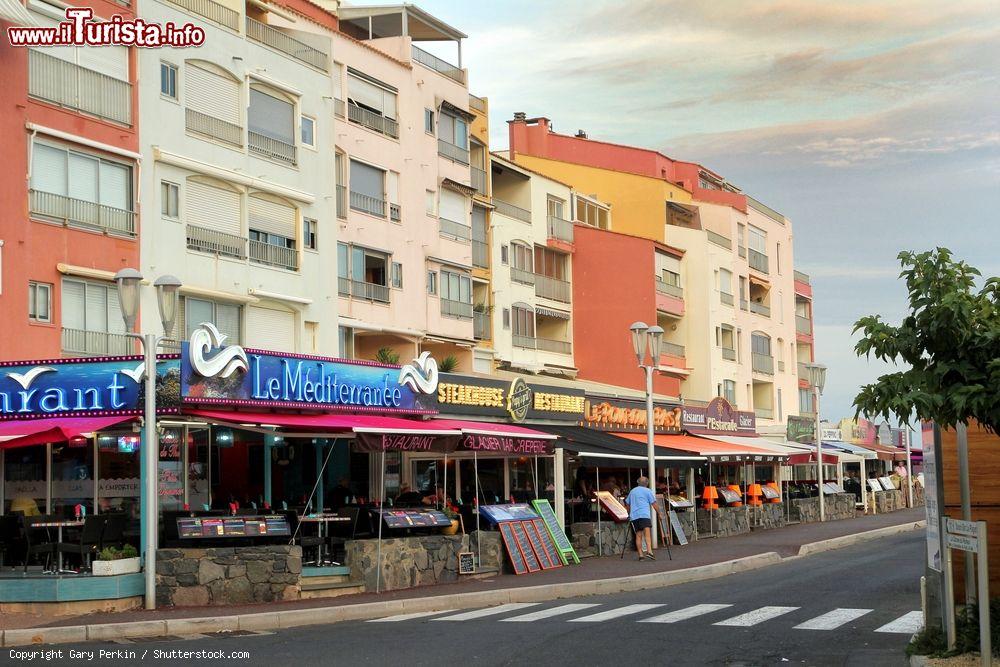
(718, 614)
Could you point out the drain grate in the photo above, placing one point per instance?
(232, 633)
(150, 640)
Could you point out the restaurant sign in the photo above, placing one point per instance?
(629, 415)
(515, 400)
(801, 429)
(482, 443)
(718, 417)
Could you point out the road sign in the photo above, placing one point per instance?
(962, 542)
(959, 527)
(955, 537)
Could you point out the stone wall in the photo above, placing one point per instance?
(890, 501)
(588, 542)
(767, 516)
(723, 522)
(837, 506)
(918, 495)
(220, 576)
(689, 523)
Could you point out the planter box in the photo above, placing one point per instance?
(106, 568)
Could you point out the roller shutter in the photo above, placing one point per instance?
(213, 208)
(270, 329)
(271, 217)
(212, 94)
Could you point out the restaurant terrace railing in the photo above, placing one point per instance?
(368, 204)
(453, 152)
(666, 288)
(214, 128)
(274, 255)
(281, 41)
(215, 242)
(454, 229)
(373, 121)
(269, 147)
(552, 288)
(478, 180)
(512, 211)
(460, 309)
(80, 341)
(560, 229)
(762, 363)
(437, 64)
(84, 214)
(69, 85)
(211, 10)
(551, 345)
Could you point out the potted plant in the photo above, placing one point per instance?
(451, 512)
(386, 355)
(116, 561)
(448, 364)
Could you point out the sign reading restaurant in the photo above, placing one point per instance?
(719, 417)
(515, 400)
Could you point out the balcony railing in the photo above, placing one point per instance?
(395, 212)
(803, 371)
(369, 291)
(803, 325)
(560, 229)
(215, 242)
(758, 260)
(453, 152)
(671, 349)
(480, 254)
(729, 354)
(454, 229)
(339, 108)
(719, 240)
(437, 64)
(84, 214)
(276, 39)
(274, 149)
(342, 201)
(744, 304)
(368, 204)
(726, 298)
(481, 328)
(213, 11)
(741, 251)
(69, 85)
(557, 346)
(762, 363)
(524, 341)
(760, 309)
(460, 309)
(343, 286)
(522, 276)
(373, 121)
(477, 103)
(478, 180)
(80, 341)
(207, 126)
(667, 288)
(552, 288)
(512, 211)
(273, 255)
(764, 413)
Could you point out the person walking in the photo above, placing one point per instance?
(641, 504)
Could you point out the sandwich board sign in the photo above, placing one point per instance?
(562, 543)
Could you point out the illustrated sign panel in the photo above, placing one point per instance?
(729, 495)
(507, 512)
(718, 417)
(248, 526)
(612, 505)
(415, 518)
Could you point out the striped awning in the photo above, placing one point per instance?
(551, 313)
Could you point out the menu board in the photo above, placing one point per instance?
(830, 488)
(729, 495)
(415, 518)
(770, 493)
(675, 523)
(612, 505)
(545, 540)
(530, 559)
(509, 512)
(679, 502)
(556, 532)
(887, 483)
(513, 551)
(236, 526)
(874, 485)
(466, 562)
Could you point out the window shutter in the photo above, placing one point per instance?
(271, 117)
(270, 329)
(367, 180)
(364, 93)
(506, 318)
(109, 60)
(454, 207)
(271, 217)
(48, 166)
(83, 174)
(213, 208)
(73, 305)
(212, 94)
(227, 320)
(115, 185)
(392, 186)
(97, 308)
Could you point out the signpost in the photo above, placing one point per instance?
(969, 537)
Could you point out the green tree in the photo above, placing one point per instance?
(947, 347)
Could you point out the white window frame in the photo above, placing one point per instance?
(34, 286)
(432, 282)
(396, 275)
(429, 115)
(169, 66)
(302, 120)
(167, 187)
(310, 229)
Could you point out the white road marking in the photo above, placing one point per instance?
(832, 620)
(615, 613)
(905, 624)
(547, 613)
(407, 617)
(488, 611)
(685, 614)
(756, 616)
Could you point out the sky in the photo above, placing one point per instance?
(873, 126)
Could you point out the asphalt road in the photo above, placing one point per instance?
(852, 606)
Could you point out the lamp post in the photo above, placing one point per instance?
(128, 281)
(652, 337)
(817, 378)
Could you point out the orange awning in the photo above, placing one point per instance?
(713, 450)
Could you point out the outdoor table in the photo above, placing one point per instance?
(323, 520)
(59, 525)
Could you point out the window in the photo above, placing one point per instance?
(310, 228)
(456, 287)
(371, 103)
(806, 404)
(777, 258)
(589, 213)
(213, 101)
(92, 318)
(504, 254)
(363, 273)
(367, 188)
(227, 317)
(729, 391)
(453, 130)
(168, 80)
(779, 404)
(346, 342)
(522, 257)
(271, 123)
(432, 282)
(39, 302)
(741, 235)
(307, 131)
(272, 223)
(62, 173)
(726, 282)
(758, 240)
(397, 275)
(506, 318)
(429, 121)
(169, 200)
(760, 344)
(555, 207)
(343, 269)
(523, 321)
(725, 337)
(550, 263)
(430, 202)
(668, 269)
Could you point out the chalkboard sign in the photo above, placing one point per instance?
(535, 540)
(513, 552)
(466, 562)
(729, 495)
(238, 526)
(612, 505)
(675, 523)
(546, 541)
(509, 512)
(556, 532)
(415, 519)
(874, 485)
(770, 493)
(522, 542)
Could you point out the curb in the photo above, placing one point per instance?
(278, 620)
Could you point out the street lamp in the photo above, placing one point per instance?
(128, 281)
(652, 337)
(817, 378)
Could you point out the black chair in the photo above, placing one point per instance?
(89, 539)
(345, 531)
(113, 534)
(38, 539)
(304, 541)
(11, 538)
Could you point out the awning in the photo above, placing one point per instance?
(852, 449)
(713, 450)
(758, 443)
(884, 452)
(493, 438)
(806, 458)
(51, 429)
(548, 312)
(589, 443)
(326, 422)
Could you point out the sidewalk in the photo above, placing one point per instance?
(783, 543)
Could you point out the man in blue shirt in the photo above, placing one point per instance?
(641, 507)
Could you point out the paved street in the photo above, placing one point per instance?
(854, 606)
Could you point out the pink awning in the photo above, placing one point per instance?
(328, 422)
(489, 428)
(51, 429)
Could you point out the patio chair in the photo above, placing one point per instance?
(304, 541)
(11, 538)
(346, 530)
(38, 539)
(89, 539)
(113, 534)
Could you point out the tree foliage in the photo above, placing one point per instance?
(947, 347)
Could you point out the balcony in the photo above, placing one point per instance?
(559, 229)
(395, 212)
(762, 363)
(668, 289)
(212, 11)
(557, 346)
(213, 128)
(437, 64)
(760, 309)
(274, 255)
(342, 202)
(726, 298)
(362, 290)
(459, 309)
(82, 214)
(512, 211)
(719, 240)
(339, 108)
(373, 121)
(214, 242)
(764, 413)
(729, 354)
(368, 204)
(671, 350)
(527, 342)
(64, 83)
(455, 230)
(741, 251)
(280, 41)
(801, 277)
(757, 260)
(522, 276)
(453, 152)
(552, 288)
(481, 329)
(803, 372)
(479, 180)
(744, 304)
(480, 254)
(803, 325)
(343, 286)
(79, 341)
(273, 149)
(477, 103)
